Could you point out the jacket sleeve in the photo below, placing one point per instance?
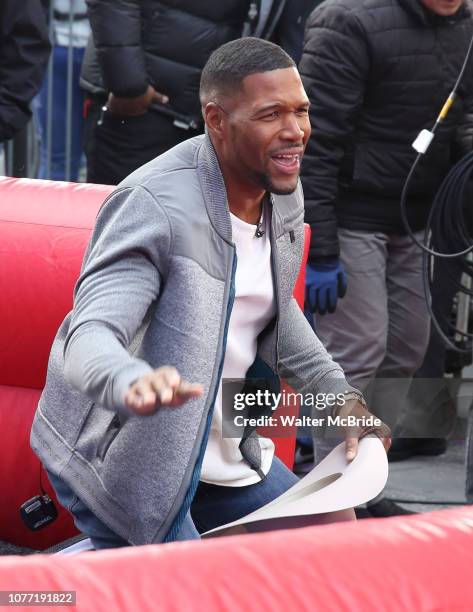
(24, 53)
(304, 363)
(120, 280)
(334, 69)
(116, 29)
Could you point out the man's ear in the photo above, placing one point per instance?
(213, 117)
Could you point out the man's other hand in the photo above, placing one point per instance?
(325, 281)
(161, 387)
(135, 106)
(354, 433)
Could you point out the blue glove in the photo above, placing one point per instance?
(325, 282)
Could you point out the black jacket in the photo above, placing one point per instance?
(164, 43)
(24, 53)
(377, 72)
(289, 32)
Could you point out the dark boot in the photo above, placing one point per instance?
(404, 448)
(385, 507)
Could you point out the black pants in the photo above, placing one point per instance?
(116, 145)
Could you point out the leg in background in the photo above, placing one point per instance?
(356, 333)
(408, 331)
(430, 411)
(58, 170)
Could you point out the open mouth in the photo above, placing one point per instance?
(451, 4)
(287, 163)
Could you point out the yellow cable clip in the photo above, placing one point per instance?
(446, 107)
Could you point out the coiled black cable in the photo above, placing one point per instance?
(448, 227)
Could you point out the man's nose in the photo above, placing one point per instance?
(293, 129)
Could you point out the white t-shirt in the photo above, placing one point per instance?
(253, 309)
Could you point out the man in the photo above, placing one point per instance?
(24, 52)
(177, 283)
(376, 74)
(143, 65)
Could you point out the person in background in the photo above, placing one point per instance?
(70, 30)
(376, 75)
(24, 53)
(289, 33)
(142, 69)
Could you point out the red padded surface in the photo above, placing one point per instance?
(299, 289)
(51, 202)
(44, 229)
(415, 564)
(20, 473)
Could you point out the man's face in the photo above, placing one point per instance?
(266, 129)
(445, 8)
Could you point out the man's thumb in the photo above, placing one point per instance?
(159, 97)
(351, 448)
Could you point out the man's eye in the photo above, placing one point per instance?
(302, 112)
(272, 116)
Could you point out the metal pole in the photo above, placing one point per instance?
(9, 158)
(33, 148)
(70, 68)
(463, 306)
(18, 154)
(49, 110)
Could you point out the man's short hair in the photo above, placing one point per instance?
(232, 62)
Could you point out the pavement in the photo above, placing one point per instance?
(424, 484)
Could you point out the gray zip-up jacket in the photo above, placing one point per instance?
(162, 253)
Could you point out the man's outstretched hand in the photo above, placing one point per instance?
(161, 387)
(354, 433)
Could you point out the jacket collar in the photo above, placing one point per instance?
(213, 186)
(421, 13)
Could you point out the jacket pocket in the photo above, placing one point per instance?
(99, 429)
(108, 437)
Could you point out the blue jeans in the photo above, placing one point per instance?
(212, 506)
(58, 170)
